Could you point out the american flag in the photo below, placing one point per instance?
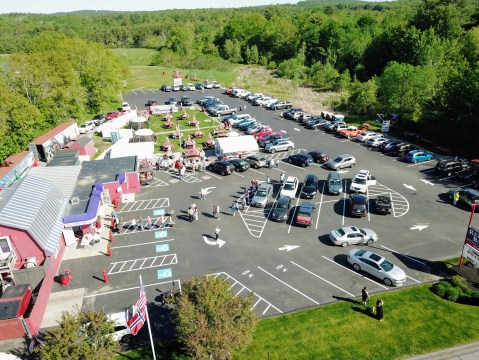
(141, 303)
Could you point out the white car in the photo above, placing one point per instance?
(233, 119)
(269, 102)
(190, 87)
(122, 331)
(376, 141)
(279, 145)
(86, 127)
(367, 135)
(352, 235)
(125, 106)
(377, 266)
(362, 181)
(261, 101)
(290, 187)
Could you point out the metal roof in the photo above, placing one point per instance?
(64, 177)
(36, 206)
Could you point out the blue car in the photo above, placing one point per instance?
(417, 156)
(245, 125)
(241, 122)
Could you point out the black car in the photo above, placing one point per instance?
(239, 164)
(358, 205)
(382, 204)
(388, 146)
(469, 174)
(221, 167)
(401, 149)
(310, 187)
(171, 101)
(151, 102)
(166, 88)
(186, 101)
(99, 119)
(184, 87)
(315, 124)
(199, 86)
(269, 138)
(302, 159)
(450, 167)
(319, 157)
(281, 210)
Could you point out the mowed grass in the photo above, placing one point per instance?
(135, 57)
(415, 321)
(152, 77)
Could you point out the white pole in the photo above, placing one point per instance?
(149, 327)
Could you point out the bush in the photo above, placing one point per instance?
(441, 288)
(453, 293)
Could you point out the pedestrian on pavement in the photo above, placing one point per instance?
(133, 225)
(191, 213)
(379, 310)
(98, 224)
(234, 208)
(243, 202)
(241, 108)
(142, 228)
(281, 178)
(455, 198)
(216, 211)
(182, 172)
(149, 223)
(365, 296)
(244, 108)
(217, 233)
(195, 210)
(202, 194)
(268, 181)
(162, 221)
(113, 214)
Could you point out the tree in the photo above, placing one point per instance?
(80, 335)
(211, 321)
(363, 98)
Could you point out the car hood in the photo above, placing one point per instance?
(396, 273)
(279, 214)
(370, 234)
(259, 199)
(308, 189)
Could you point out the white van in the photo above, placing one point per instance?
(122, 331)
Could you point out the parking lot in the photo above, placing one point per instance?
(287, 267)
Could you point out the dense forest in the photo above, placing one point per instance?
(416, 58)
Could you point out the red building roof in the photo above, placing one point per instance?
(11, 162)
(52, 133)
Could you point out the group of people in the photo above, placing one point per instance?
(379, 304)
(192, 212)
(249, 191)
(148, 225)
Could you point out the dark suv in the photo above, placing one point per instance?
(402, 150)
(450, 167)
(221, 167)
(310, 187)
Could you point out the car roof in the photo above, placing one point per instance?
(349, 229)
(265, 186)
(357, 197)
(284, 199)
(310, 176)
(291, 179)
(307, 205)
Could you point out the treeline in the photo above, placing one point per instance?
(55, 79)
(417, 58)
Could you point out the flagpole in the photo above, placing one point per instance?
(148, 323)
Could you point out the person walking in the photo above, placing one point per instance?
(162, 221)
(191, 213)
(243, 202)
(281, 178)
(195, 212)
(379, 310)
(142, 227)
(455, 198)
(117, 222)
(241, 108)
(149, 223)
(182, 172)
(98, 224)
(216, 211)
(268, 181)
(365, 296)
(217, 233)
(133, 225)
(234, 208)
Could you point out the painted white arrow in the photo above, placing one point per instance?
(296, 129)
(409, 187)
(284, 132)
(218, 242)
(288, 247)
(208, 189)
(427, 182)
(418, 227)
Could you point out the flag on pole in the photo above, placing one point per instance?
(141, 303)
(138, 319)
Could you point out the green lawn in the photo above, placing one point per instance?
(135, 57)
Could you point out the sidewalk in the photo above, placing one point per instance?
(463, 352)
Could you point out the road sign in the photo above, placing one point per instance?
(162, 248)
(158, 212)
(161, 234)
(385, 125)
(164, 273)
(472, 237)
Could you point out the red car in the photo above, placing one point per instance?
(265, 135)
(305, 214)
(262, 132)
(229, 90)
(112, 115)
(352, 131)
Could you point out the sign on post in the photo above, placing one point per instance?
(472, 237)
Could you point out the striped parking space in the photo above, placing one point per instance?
(400, 206)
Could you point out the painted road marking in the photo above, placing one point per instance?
(162, 248)
(144, 205)
(259, 300)
(164, 273)
(400, 205)
(125, 227)
(319, 277)
(161, 234)
(421, 163)
(409, 257)
(354, 272)
(214, 175)
(320, 203)
(292, 288)
(142, 263)
(146, 243)
(156, 182)
(158, 212)
(137, 287)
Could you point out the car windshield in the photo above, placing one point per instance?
(261, 193)
(340, 232)
(386, 265)
(282, 207)
(304, 213)
(335, 182)
(360, 201)
(289, 186)
(360, 181)
(338, 160)
(362, 232)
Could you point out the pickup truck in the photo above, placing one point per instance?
(223, 110)
(382, 204)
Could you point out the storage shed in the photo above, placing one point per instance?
(45, 146)
(84, 145)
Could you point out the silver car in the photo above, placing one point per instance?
(280, 145)
(377, 266)
(352, 235)
(256, 161)
(341, 161)
(261, 196)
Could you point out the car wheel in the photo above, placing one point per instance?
(303, 164)
(289, 160)
(388, 282)
(344, 244)
(370, 241)
(223, 173)
(273, 151)
(256, 166)
(352, 165)
(290, 148)
(356, 267)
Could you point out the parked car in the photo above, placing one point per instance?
(358, 205)
(261, 196)
(190, 87)
(256, 160)
(281, 105)
(367, 135)
(272, 137)
(305, 214)
(262, 132)
(112, 115)
(375, 141)
(290, 113)
(199, 86)
(416, 156)
(378, 266)
(86, 127)
(221, 167)
(352, 235)
(450, 167)
(351, 132)
(281, 210)
(186, 101)
(401, 150)
(184, 87)
(171, 101)
(207, 85)
(99, 119)
(280, 145)
(467, 196)
(302, 159)
(125, 106)
(388, 146)
(469, 174)
(362, 181)
(319, 157)
(315, 124)
(216, 84)
(290, 187)
(309, 189)
(341, 162)
(151, 102)
(176, 88)
(383, 205)
(166, 88)
(335, 185)
(239, 164)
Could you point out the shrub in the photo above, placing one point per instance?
(453, 293)
(441, 288)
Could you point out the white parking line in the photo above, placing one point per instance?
(344, 199)
(235, 173)
(136, 288)
(354, 272)
(136, 244)
(295, 166)
(214, 175)
(281, 281)
(259, 172)
(319, 277)
(409, 257)
(144, 92)
(421, 163)
(320, 203)
(409, 277)
(133, 91)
